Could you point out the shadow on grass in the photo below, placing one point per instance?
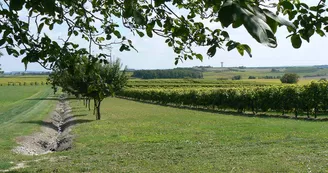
(67, 124)
(70, 118)
(50, 98)
(228, 112)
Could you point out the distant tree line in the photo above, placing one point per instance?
(203, 66)
(167, 74)
(316, 75)
(30, 73)
(269, 77)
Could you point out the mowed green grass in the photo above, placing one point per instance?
(19, 104)
(139, 137)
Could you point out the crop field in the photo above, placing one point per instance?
(16, 80)
(306, 73)
(175, 125)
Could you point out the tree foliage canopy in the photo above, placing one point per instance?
(89, 80)
(150, 17)
(289, 78)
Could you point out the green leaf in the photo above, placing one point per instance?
(199, 56)
(16, 4)
(211, 51)
(226, 13)
(292, 15)
(22, 51)
(124, 47)
(51, 26)
(117, 34)
(149, 28)
(75, 46)
(248, 49)
(76, 33)
(320, 32)
(278, 19)
(139, 18)
(296, 41)
(232, 45)
(240, 49)
(287, 5)
(2, 41)
(159, 23)
(101, 39)
(40, 27)
(272, 24)
(159, 2)
(237, 23)
(304, 5)
(258, 29)
(49, 6)
(141, 34)
(149, 33)
(225, 35)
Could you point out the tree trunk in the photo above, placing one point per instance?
(89, 104)
(296, 113)
(94, 106)
(98, 117)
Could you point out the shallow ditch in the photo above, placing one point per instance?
(54, 135)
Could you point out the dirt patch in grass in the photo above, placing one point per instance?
(54, 135)
(24, 164)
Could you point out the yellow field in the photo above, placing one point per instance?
(22, 79)
(302, 81)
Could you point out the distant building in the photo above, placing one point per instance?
(221, 64)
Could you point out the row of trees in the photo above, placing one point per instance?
(89, 79)
(167, 74)
(24, 83)
(309, 99)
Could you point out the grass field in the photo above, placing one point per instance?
(19, 104)
(138, 137)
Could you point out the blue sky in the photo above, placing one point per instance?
(153, 53)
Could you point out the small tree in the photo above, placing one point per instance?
(238, 77)
(251, 77)
(108, 80)
(289, 78)
(89, 79)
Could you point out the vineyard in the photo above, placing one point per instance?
(310, 99)
(23, 80)
(156, 138)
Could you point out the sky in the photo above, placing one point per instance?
(153, 53)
